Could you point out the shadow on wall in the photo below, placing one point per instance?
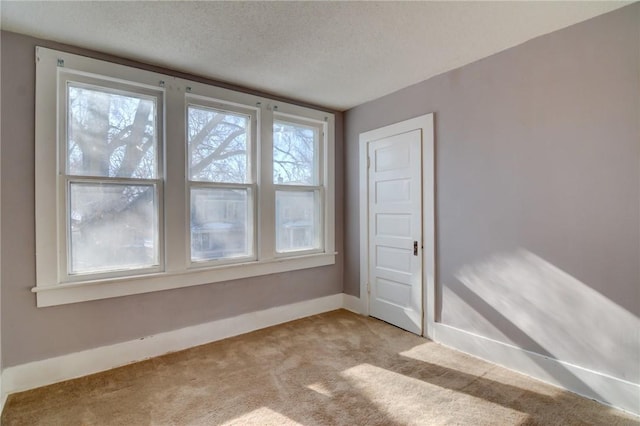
(521, 299)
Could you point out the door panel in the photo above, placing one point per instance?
(395, 223)
(397, 190)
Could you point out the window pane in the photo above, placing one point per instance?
(218, 142)
(221, 223)
(112, 227)
(295, 154)
(111, 134)
(297, 220)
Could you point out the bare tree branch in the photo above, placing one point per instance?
(133, 142)
(218, 153)
(202, 135)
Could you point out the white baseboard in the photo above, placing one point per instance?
(352, 303)
(606, 389)
(591, 384)
(52, 370)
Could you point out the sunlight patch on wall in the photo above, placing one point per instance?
(522, 299)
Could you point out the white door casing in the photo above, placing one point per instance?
(395, 230)
(423, 125)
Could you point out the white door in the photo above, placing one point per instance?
(395, 230)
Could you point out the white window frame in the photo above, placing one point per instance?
(176, 269)
(65, 180)
(319, 186)
(192, 100)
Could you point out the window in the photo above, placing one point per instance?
(296, 174)
(221, 183)
(146, 182)
(111, 206)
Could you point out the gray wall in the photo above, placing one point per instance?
(537, 192)
(29, 333)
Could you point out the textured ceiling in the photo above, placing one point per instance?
(333, 54)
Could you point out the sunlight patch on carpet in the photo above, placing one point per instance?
(321, 388)
(463, 363)
(400, 398)
(262, 416)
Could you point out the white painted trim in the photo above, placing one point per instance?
(102, 289)
(52, 289)
(3, 395)
(425, 124)
(52, 370)
(603, 388)
(608, 390)
(363, 168)
(352, 303)
(428, 226)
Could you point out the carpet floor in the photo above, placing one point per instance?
(336, 368)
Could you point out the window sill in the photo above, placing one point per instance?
(64, 293)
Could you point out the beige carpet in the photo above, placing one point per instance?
(332, 369)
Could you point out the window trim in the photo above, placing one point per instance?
(64, 179)
(193, 100)
(177, 273)
(322, 178)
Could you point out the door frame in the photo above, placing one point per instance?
(425, 124)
